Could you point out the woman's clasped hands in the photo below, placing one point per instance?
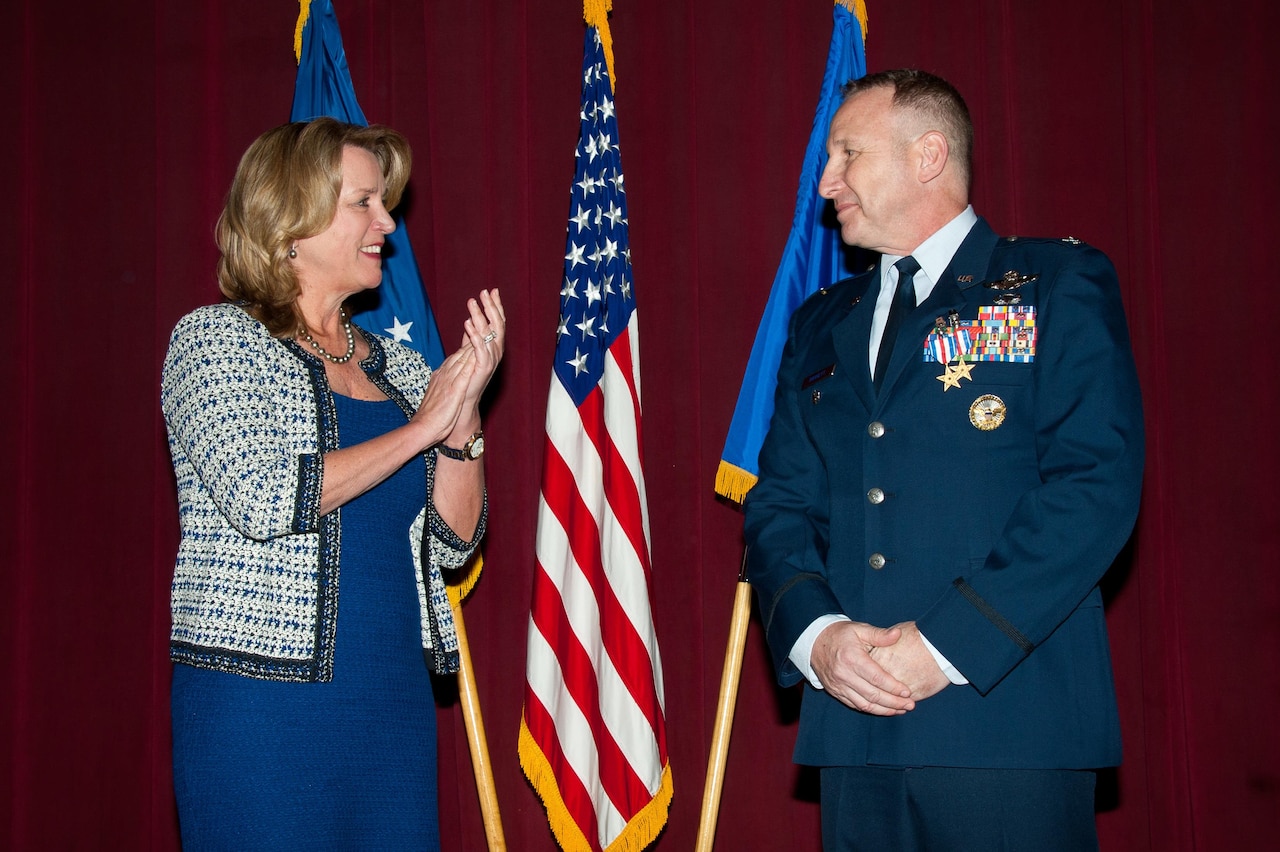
(450, 408)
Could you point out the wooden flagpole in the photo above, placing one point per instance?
(476, 740)
(714, 785)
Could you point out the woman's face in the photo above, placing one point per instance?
(346, 257)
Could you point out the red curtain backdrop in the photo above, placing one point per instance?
(1143, 128)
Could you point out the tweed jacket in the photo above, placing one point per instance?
(984, 508)
(250, 417)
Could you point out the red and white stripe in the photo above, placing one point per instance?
(594, 697)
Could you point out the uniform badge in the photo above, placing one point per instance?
(987, 412)
(814, 378)
(1011, 280)
(950, 341)
(1005, 333)
(946, 343)
(1005, 286)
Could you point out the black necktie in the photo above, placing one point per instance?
(904, 302)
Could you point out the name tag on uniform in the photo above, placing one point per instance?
(825, 373)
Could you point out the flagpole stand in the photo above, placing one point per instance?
(724, 713)
(476, 740)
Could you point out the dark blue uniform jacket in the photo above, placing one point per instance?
(898, 507)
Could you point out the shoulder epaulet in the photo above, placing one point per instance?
(1069, 241)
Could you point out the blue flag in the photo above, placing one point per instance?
(814, 258)
(399, 308)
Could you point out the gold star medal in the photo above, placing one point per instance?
(950, 379)
(961, 369)
(948, 340)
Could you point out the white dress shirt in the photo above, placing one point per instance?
(934, 256)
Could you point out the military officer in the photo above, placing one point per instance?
(954, 461)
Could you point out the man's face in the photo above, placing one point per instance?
(869, 175)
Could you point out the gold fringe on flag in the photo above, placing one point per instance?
(304, 12)
(459, 591)
(543, 780)
(859, 9)
(733, 482)
(596, 14)
(641, 830)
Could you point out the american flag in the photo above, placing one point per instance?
(592, 736)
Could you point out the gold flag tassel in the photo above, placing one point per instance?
(596, 14)
(304, 14)
(859, 10)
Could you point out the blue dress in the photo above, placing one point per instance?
(349, 764)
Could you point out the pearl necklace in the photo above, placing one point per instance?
(351, 341)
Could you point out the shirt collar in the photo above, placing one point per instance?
(934, 254)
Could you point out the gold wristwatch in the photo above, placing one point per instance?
(472, 450)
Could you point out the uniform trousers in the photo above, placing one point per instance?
(945, 809)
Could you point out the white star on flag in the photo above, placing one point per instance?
(399, 331)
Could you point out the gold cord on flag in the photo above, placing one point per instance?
(596, 14)
(859, 10)
(304, 12)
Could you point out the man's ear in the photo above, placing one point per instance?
(932, 150)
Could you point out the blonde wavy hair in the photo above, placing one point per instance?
(286, 188)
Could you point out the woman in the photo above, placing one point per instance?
(326, 478)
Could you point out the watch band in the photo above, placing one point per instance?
(472, 450)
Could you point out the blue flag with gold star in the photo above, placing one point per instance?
(399, 308)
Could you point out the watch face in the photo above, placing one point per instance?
(475, 448)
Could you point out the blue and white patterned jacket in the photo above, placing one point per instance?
(250, 417)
